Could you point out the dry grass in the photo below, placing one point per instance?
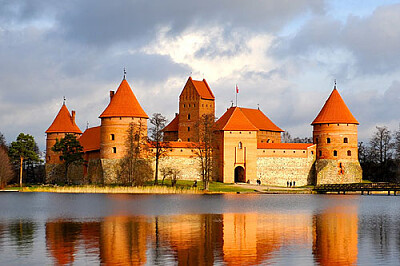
(114, 189)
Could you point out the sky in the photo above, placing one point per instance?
(284, 55)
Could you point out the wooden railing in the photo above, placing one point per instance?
(358, 187)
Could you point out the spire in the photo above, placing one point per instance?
(335, 111)
(124, 73)
(64, 100)
(124, 103)
(63, 123)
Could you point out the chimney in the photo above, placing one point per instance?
(73, 117)
(111, 95)
(176, 114)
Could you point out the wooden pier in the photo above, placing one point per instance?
(363, 188)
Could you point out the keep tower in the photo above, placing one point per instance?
(122, 110)
(335, 134)
(196, 99)
(63, 124)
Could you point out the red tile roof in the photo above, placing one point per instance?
(245, 119)
(173, 125)
(284, 146)
(90, 139)
(124, 103)
(260, 120)
(234, 119)
(202, 88)
(335, 111)
(63, 123)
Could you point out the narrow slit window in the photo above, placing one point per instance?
(112, 137)
(240, 146)
(328, 140)
(349, 153)
(114, 150)
(345, 140)
(334, 153)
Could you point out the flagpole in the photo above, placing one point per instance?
(236, 90)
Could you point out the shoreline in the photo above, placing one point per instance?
(92, 189)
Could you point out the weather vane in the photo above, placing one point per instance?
(64, 99)
(124, 73)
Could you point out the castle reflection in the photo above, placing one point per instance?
(207, 239)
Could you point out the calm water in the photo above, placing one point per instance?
(46, 229)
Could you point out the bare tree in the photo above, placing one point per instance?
(286, 137)
(135, 168)
(397, 144)
(6, 172)
(381, 145)
(158, 146)
(204, 148)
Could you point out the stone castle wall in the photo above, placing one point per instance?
(337, 172)
(277, 171)
(189, 167)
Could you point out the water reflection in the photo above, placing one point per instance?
(207, 239)
(281, 230)
(22, 234)
(336, 236)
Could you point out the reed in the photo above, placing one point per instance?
(114, 189)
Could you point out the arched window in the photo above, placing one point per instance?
(240, 146)
(328, 140)
(334, 153)
(188, 116)
(349, 153)
(345, 140)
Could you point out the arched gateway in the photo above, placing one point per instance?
(239, 175)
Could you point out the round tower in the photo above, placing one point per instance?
(63, 124)
(122, 111)
(335, 134)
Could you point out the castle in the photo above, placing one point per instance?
(248, 145)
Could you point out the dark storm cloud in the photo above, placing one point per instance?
(102, 23)
(373, 40)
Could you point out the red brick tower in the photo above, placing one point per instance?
(64, 123)
(196, 99)
(335, 133)
(122, 110)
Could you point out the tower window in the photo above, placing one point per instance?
(268, 140)
(316, 140)
(349, 153)
(320, 153)
(345, 140)
(189, 104)
(112, 137)
(184, 105)
(328, 140)
(189, 139)
(114, 150)
(334, 153)
(188, 128)
(194, 105)
(188, 116)
(240, 146)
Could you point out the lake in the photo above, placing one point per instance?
(245, 229)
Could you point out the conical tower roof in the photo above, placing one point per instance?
(63, 123)
(124, 103)
(335, 111)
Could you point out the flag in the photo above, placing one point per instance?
(237, 89)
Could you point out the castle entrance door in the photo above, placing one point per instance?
(239, 175)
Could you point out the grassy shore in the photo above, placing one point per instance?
(182, 187)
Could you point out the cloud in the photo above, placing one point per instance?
(370, 41)
(103, 23)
